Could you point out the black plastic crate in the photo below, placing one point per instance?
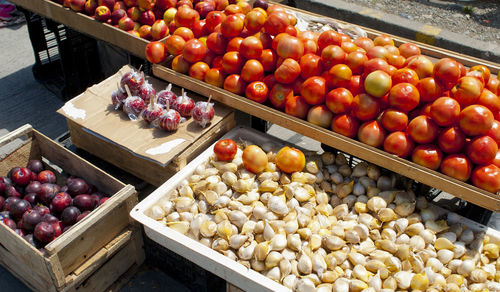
(66, 61)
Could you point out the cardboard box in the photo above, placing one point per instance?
(149, 153)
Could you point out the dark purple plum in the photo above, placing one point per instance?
(66, 228)
(33, 187)
(260, 3)
(49, 218)
(11, 171)
(64, 189)
(10, 223)
(11, 191)
(47, 176)
(2, 201)
(44, 232)
(21, 176)
(30, 219)
(19, 223)
(92, 189)
(83, 215)
(47, 193)
(3, 185)
(58, 228)
(8, 203)
(31, 197)
(70, 215)
(30, 238)
(60, 202)
(77, 186)
(18, 208)
(84, 202)
(20, 232)
(43, 210)
(35, 166)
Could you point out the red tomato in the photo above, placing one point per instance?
(451, 140)
(186, 16)
(377, 52)
(252, 71)
(234, 44)
(447, 71)
(382, 40)
(494, 132)
(194, 51)
(290, 47)
(200, 28)
(483, 70)
(339, 75)
(175, 44)
(215, 77)
(279, 94)
(475, 120)
(213, 19)
(427, 155)
(487, 178)
(489, 100)
(251, 48)
(199, 70)
(296, 106)
(225, 150)
(394, 120)
(364, 42)
(231, 26)
(310, 65)
(346, 125)
(445, 111)
(332, 55)
(371, 133)
(429, 89)
(355, 61)
(404, 97)
(339, 100)
(235, 84)
(254, 20)
(320, 115)
(365, 107)
(422, 129)
(290, 160)
(408, 49)
(421, 64)
(232, 62)
(405, 75)
(276, 23)
(257, 91)
(327, 38)
(467, 90)
(288, 71)
(496, 161)
(457, 166)
(217, 43)
(355, 85)
(399, 143)
(374, 65)
(313, 90)
(268, 60)
(156, 52)
(482, 150)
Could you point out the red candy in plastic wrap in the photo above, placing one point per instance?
(166, 97)
(184, 105)
(133, 106)
(169, 120)
(146, 91)
(203, 112)
(118, 97)
(134, 80)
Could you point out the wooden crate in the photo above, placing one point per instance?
(71, 258)
(111, 136)
(87, 25)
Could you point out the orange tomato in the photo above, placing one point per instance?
(290, 160)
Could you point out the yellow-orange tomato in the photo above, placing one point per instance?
(290, 160)
(254, 158)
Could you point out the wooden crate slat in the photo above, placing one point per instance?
(407, 168)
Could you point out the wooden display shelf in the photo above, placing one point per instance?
(404, 167)
(94, 252)
(87, 25)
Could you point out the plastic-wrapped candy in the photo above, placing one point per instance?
(152, 112)
(184, 105)
(133, 106)
(118, 97)
(169, 120)
(203, 112)
(134, 80)
(166, 95)
(146, 91)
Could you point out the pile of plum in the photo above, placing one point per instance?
(38, 209)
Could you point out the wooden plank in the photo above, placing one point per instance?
(140, 167)
(404, 167)
(83, 240)
(24, 130)
(86, 25)
(73, 164)
(22, 258)
(426, 49)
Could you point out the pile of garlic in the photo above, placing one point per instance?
(329, 228)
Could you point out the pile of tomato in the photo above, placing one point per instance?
(439, 115)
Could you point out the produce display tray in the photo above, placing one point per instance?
(97, 250)
(87, 25)
(211, 260)
(149, 153)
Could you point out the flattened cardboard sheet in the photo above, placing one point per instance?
(94, 111)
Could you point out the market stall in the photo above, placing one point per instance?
(258, 214)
